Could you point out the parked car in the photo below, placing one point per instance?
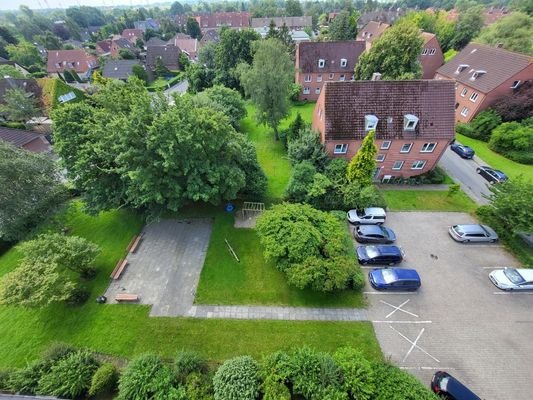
(463, 151)
(512, 278)
(472, 233)
(371, 215)
(394, 279)
(373, 234)
(492, 175)
(379, 255)
(450, 388)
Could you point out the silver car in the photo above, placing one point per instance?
(472, 233)
(512, 278)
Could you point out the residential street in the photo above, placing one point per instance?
(464, 172)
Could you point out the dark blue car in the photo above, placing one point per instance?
(394, 279)
(463, 151)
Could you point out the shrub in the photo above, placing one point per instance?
(482, 125)
(514, 140)
(294, 91)
(300, 182)
(358, 279)
(70, 377)
(274, 390)
(78, 296)
(391, 381)
(276, 367)
(307, 147)
(464, 129)
(57, 351)
(26, 380)
(356, 196)
(198, 387)
(187, 362)
(236, 379)
(5, 376)
(435, 176)
(104, 380)
(518, 105)
(358, 374)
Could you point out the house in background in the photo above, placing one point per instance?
(122, 44)
(318, 62)
(168, 53)
(386, 16)
(103, 47)
(371, 31)
(132, 35)
(119, 69)
(186, 44)
(233, 20)
(431, 57)
(482, 75)
(413, 121)
(78, 60)
(210, 36)
(149, 23)
(18, 67)
(297, 36)
(29, 85)
(293, 23)
(27, 140)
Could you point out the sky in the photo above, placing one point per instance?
(36, 4)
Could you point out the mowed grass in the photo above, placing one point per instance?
(253, 280)
(271, 152)
(510, 168)
(427, 200)
(127, 330)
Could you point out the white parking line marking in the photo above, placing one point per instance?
(509, 293)
(399, 308)
(402, 322)
(386, 293)
(426, 368)
(413, 344)
(476, 246)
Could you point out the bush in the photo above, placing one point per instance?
(294, 92)
(464, 129)
(356, 196)
(300, 182)
(237, 379)
(358, 279)
(78, 297)
(514, 141)
(57, 351)
(307, 147)
(358, 374)
(5, 376)
(391, 381)
(198, 387)
(435, 176)
(26, 380)
(274, 390)
(104, 380)
(187, 362)
(481, 126)
(13, 125)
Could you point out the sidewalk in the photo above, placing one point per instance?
(390, 186)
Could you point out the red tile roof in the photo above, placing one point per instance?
(309, 54)
(371, 31)
(78, 60)
(231, 19)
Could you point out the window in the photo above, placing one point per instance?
(406, 148)
(397, 165)
(307, 78)
(515, 84)
(473, 97)
(424, 52)
(409, 122)
(464, 112)
(380, 158)
(307, 90)
(432, 52)
(464, 92)
(340, 148)
(341, 78)
(353, 77)
(317, 90)
(331, 76)
(371, 121)
(419, 164)
(477, 74)
(428, 147)
(319, 78)
(385, 145)
(344, 62)
(321, 63)
(461, 68)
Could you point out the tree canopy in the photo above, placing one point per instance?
(468, 26)
(343, 27)
(514, 31)
(18, 106)
(362, 166)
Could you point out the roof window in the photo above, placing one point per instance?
(461, 68)
(477, 74)
(321, 63)
(371, 121)
(344, 62)
(409, 122)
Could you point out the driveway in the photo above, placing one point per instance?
(464, 172)
(458, 321)
(180, 88)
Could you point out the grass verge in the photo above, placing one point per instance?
(427, 200)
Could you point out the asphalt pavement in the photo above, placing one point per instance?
(464, 173)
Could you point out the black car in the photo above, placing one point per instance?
(380, 255)
(447, 387)
(463, 151)
(373, 234)
(492, 175)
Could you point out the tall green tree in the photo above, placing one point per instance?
(18, 106)
(515, 32)
(11, 71)
(394, 55)
(193, 28)
(176, 8)
(468, 26)
(230, 100)
(49, 41)
(268, 82)
(363, 164)
(140, 73)
(24, 53)
(343, 27)
(293, 8)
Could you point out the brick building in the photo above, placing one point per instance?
(482, 75)
(431, 57)
(293, 23)
(413, 120)
(235, 20)
(121, 44)
(78, 60)
(186, 44)
(168, 53)
(132, 35)
(371, 31)
(318, 62)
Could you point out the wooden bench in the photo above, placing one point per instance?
(126, 297)
(134, 243)
(122, 263)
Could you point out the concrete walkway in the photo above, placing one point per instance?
(390, 186)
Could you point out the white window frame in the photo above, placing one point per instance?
(408, 150)
(331, 76)
(321, 63)
(395, 167)
(461, 68)
(432, 52)
(477, 74)
(317, 90)
(424, 51)
(371, 122)
(341, 148)
(418, 164)
(410, 122)
(380, 158)
(307, 78)
(473, 97)
(342, 78)
(306, 90)
(515, 84)
(344, 62)
(385, 145)
(428, 147)
(464, 111)
(319, 78)
(464, 92)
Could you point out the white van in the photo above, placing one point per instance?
(369, 216)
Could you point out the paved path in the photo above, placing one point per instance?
(413, 187)
(180, 88)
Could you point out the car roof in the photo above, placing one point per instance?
(406, 273)
(472, 228)
(375, 211)
(459, 391)
(526, 273)
(369, 229)
(389, 249)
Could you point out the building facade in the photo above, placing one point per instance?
(293, 23)
(431, 57)
(413, 121)
(73, 60)
(484, 74)
(319, 62)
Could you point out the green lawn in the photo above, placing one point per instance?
(426, 200)
(253, 280)
(126, 330)
(271, 153)
(495, 160)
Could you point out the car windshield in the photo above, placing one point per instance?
(513, 275)
(372, 251)
(458, 230)
(388, 275)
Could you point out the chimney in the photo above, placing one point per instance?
(499, 45)
(376, 76)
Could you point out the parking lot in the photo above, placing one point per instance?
(458, 321)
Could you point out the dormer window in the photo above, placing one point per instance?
(477, 74)
(371, 121)
(515, 84)
(344, 62)
(461, 68)
(409, 122)
(321, 63)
